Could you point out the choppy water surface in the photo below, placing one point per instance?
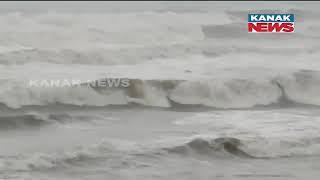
(206, 99)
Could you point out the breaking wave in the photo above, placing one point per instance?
(214, 147)
(116, 156)
(153, 37)
(256, 148)
(197, 147)
(297, 88)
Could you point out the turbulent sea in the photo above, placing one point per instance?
(206, 99)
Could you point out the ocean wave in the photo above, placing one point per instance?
(115, 155)
(22, 121)
(128, 154)
(89, 30)
(32, 120)
(219, 147)
(254, 148)
(102, 55)
(297, 88)
(86, 39)
(131, 55)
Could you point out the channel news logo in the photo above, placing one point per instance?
(270, 23)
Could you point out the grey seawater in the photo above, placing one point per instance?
(207, 101)
(153, 143)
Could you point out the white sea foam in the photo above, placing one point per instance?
(178, 57)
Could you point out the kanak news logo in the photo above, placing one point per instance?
(270, 23)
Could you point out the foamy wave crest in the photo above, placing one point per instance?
(131, 55)
(114, 152)
(119, 154)
(16, 97)
(87, 39)
(235, 93)
(257, 148)
(301, 87)
(219, 147)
